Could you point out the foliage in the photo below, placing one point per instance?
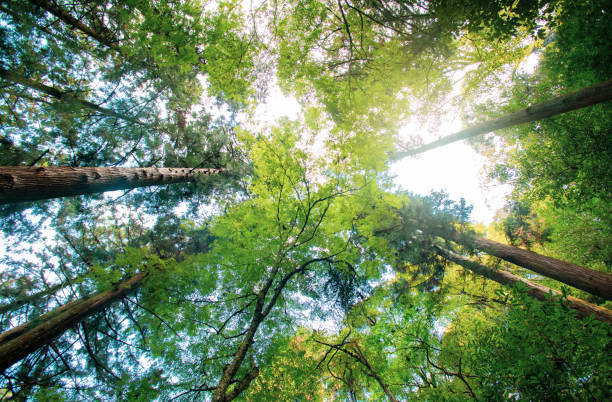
(302, 275)
(539, 351)
(564, 158)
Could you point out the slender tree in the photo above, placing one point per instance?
(32, 298)
(261, 311)
(540, 292)
(576, 100)
(18, 342)
(595, 282)
(38, 183)
(100, 34)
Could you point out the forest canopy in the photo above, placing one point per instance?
(162, 242)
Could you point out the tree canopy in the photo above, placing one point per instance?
(280, 261)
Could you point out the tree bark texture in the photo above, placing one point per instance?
(576, 100)
(19, 342)
(538, 291)
(62, 95)
(595, 282)
(21, 183)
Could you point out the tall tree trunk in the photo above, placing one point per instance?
(62, 95)
(538, 291)
(104, 37)
(24, 183)
(17, 343)
(595, 282)
(576, 100)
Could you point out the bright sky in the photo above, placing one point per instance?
(454, 168)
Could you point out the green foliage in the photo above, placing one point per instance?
(289, 371)
(148, 65)
(499, 19)
(312, 272)
(565, 158)
(541, 351)
(522, 227)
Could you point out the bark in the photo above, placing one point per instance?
(220, 394)
(595, 282)
(17, 343)
(243, 384)
(105, 37)
(582, 98)
(538, 291)
(62, 95)
(21, 183)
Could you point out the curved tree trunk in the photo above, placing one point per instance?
(538, 291)
(595, 282)
(17, 343)
(576, 100)
(23, 183)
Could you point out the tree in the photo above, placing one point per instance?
(562, 163)
(294, 224)
(312, 280)
(585, 97)
(62, 95)
(20, 341)
(111, 315)
(540, 292)
(31, 183)
(23, 299)
(434, 217)
(589, 280)
(133, 79)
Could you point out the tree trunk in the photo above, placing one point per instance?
(106, 38)
(21, 183)
(260, 313)
(538, 291)
(582, 98)
(229, 371)
(595, 282)
(62, 95)
(17, 343)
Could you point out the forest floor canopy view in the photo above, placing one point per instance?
(159, 244)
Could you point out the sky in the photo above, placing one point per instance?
(455, 168)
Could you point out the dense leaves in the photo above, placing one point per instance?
(303, 273)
